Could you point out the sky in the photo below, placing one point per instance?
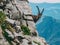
(41, 1)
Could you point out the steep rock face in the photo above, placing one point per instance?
(25, 33)
(23, 7)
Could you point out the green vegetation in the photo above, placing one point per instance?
(9, 27)
(2, 17)
(37, 42)
(2, 21)
(25, 30)
(5, 34)
(4, 25)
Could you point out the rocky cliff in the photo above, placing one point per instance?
(17, 28)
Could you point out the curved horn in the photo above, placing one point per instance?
(38, 10)
(42, 11)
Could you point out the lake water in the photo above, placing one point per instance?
(48, 26)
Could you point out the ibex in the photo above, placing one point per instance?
(35, 17)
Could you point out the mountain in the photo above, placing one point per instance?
(49, 28)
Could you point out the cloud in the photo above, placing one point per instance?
(41, 1)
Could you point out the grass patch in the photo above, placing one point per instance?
(26, 30)
(5, 34)
(37, 42)
(2, 17)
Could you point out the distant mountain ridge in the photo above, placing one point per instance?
(49, 28)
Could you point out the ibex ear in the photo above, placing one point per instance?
(42, 11)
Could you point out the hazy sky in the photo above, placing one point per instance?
(40, 1)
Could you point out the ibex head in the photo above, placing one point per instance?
(40, 12)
